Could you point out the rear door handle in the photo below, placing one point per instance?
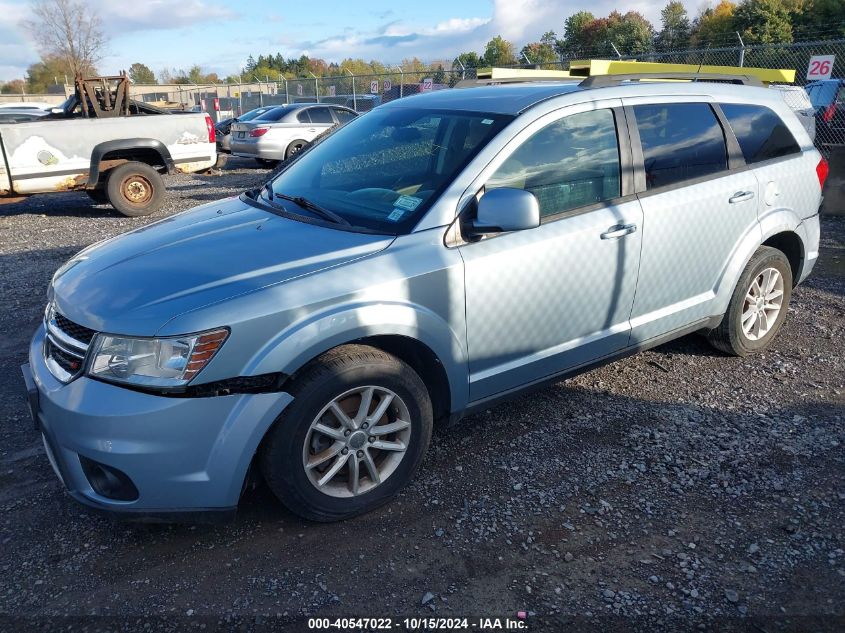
(312, 130)
(618, 230)
(741, 196)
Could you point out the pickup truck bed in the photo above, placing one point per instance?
(66, 154)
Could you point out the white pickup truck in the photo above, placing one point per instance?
(114, 157)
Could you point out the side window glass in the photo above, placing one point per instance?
(320, 115)
(570, 163)
(303, 117)
(343, 115)
(761, 133)
(680, 141)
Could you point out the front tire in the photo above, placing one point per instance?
(135, 189)
(758, 305)
(353, 437)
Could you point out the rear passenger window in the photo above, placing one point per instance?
(320, 115)
(303, 117)
(343, 115)
(680, 141)
(569, 163)
(761, 133)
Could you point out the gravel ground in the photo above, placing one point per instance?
(676, 489)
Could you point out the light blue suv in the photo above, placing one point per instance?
(433, 256)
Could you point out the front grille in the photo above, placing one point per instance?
(66, 345)
(69, 362)
(74, 330)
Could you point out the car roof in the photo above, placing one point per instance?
(515, 98)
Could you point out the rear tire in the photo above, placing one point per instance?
(327, 466)
(758, 305)
(135, 189)
(295, 147)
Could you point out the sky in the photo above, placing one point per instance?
(219, 35)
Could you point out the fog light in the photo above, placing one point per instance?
(107, 481)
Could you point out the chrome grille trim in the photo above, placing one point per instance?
(64, 344)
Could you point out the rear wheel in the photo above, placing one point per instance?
(758, 306)
(295, 147)
(135, 189)
(354, 435)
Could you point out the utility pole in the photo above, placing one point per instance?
(401, 81)
(741, 50)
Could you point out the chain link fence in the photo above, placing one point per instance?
(364, 92)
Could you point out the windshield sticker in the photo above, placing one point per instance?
(408, 203)
(396, 215)
(486, 121)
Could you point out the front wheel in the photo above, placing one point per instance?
(357, 430)
(758, 305)
(135, 189)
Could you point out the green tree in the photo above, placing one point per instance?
(439, 75)
(49, 71)
(14, 87)
(630, 33)
(469, 60)
(542, 52)
(499, 52)
(819, 17)
(714, 25)
(676, 30)
(141, 74)
(763, 21)
(575, 36)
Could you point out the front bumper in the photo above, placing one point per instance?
(183, 454)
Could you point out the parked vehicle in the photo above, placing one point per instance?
(828, 97)
(428, 259)
(26, 105)
(105, 144)
(223, 129)
(798, 100)
(282, 132)
(9, 115)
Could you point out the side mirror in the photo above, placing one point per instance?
(505, 209)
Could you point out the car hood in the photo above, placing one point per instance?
(137, 282)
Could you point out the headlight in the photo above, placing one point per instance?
(153, 362)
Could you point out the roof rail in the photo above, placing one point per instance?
(604, 81)
(474, 83)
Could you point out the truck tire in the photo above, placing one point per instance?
(758, 305)
(355, 433)
(135, 189)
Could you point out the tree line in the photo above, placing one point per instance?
(65, 51)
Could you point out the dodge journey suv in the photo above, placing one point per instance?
(427, 259)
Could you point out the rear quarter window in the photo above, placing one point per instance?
(761, 133)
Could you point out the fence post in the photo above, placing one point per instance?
(354, 95)
(401, 81)
(741, 50)
(287, 94)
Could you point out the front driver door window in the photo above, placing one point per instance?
(551, 298)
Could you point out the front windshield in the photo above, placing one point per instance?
(383, 170)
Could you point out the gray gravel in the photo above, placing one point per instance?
(673, 489)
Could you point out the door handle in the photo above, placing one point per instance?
(741, 196)
(312, 130)
(618, 230)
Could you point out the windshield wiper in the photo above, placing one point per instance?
(305, 203)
